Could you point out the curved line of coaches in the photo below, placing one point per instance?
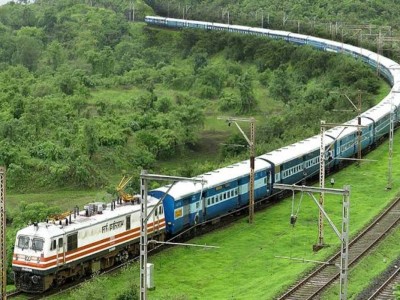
(227, 188)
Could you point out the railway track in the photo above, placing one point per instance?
(385, 291)
(313, 284)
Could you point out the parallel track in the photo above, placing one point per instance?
(385, 291)
(311, 286)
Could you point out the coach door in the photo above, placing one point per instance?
(186, 211)
(59, 243)
(203, 206)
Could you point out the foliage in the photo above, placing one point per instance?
(60, 128)
(130, 294)
(92, 290)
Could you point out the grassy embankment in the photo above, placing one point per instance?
(246, 267)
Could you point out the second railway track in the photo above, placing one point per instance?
(385, 291)
(312, 285)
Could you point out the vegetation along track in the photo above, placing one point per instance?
(385, 290)
(310, 286)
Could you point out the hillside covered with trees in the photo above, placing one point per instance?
(86, 93)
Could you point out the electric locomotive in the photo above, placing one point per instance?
(46, 254)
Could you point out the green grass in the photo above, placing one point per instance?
(383, 91)
(369, 267)
(246, 265)
(65, 199)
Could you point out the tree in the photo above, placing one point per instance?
(56, 55)
(280, 86)
(247, 101)
(91, 138)
(28, 50)
(200, 61)
(33, 212)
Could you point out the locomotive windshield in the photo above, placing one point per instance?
(23, 243)
(37, 244)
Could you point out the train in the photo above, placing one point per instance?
(47, 254)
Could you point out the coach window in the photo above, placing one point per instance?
(160, 210)
(128, 222)
(72, 242)
(60, 243)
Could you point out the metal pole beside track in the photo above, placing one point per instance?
(251, 142)
(143, 236)
(322, 158)
(322, 186)
(391, 137)
(3, 267)
(343, 236)
(252, 155)
(144, 177)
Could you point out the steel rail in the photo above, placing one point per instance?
(314, 283)
(385, 291)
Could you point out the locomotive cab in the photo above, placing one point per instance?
(30, 258)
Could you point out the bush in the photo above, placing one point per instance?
(130, 294)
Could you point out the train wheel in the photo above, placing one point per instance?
(60, 280)
(123, 256)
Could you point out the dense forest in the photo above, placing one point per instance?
(60, 127)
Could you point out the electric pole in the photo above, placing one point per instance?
(3, 267)
(320, 243)
(322, 156)
(391, 137)
(343, 236)
(251, 143)
(358, 109)
(144, 217)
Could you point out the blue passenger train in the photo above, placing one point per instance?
(227, 189)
